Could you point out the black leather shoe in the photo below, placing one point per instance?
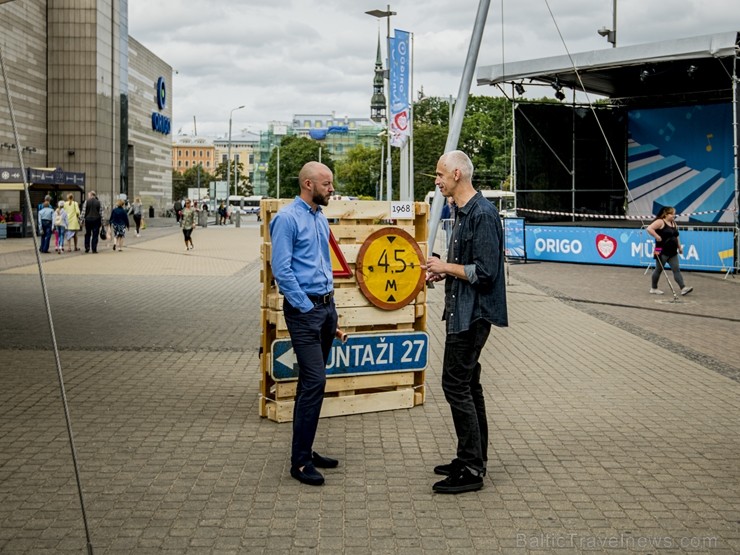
(323, 462)
(447, 469)
(460, 481)
(309, 475)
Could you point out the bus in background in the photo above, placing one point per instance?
(504, 201)
(245, 205)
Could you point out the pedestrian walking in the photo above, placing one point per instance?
(137, 213)
(72, 208)
(475, 299)
(667, 248)
(92, 216)
(188, 224)
(177, 207)
(119, 224)
(46, 221)
(60, 226)
(221, 214)
(301, 265)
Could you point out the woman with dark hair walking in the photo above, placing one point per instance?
(188, 224)
(667, 249)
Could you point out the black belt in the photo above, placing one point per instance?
(321, 299)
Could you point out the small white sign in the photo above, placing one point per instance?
(402, 210)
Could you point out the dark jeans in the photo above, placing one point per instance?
(463, 391)
(92, 228)
(673, 263)
(45, 235)
(311, 334)
(137, 221)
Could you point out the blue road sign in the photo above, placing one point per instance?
(361, 354)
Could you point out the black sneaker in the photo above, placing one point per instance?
(447, 469)
(459, 482)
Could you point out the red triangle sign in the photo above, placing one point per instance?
(339, 266)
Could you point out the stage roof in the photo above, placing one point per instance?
(692, 68)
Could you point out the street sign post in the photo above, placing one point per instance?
(360, 354)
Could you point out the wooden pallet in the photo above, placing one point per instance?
(351, 223)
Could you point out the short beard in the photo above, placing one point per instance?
(320, 200)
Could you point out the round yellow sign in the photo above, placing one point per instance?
(388, 268)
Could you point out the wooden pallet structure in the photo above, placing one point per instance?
(351, 222)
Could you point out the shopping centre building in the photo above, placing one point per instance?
(83, 104)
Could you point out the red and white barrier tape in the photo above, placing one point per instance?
(610, 217)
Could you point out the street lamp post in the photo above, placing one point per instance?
(387, 14)
(277, 181)
(228, 161)
(611, 34)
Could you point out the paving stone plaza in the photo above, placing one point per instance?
(614, 415)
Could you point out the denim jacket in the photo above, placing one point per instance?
(477, 243)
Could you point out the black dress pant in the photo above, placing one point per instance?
(312, 334)
(463, 391)
(92, 234)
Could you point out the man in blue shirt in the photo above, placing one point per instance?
(46, 219)
(301, 265)
(475, 298)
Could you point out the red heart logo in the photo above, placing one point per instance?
(606, 246)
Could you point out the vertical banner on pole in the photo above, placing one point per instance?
(399, 88)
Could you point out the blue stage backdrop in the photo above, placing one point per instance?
(682, 157)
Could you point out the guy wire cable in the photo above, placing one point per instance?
(603, 134)
(46, 303)
(590, 104)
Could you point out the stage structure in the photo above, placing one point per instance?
(658, 126)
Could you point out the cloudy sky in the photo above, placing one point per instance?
(285, 57)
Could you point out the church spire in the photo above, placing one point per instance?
(377, 104)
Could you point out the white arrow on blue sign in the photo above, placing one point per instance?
(361, 354)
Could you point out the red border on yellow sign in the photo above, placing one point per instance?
(381, 287)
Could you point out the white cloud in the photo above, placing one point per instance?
(282, 57)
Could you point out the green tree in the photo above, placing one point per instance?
(485, 137)
(432, 110)
(189, 179)
(294, 153)
(358, 174)
(429, 144)
(243, 186)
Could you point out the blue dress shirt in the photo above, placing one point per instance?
(46, 213)
(301, 262)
